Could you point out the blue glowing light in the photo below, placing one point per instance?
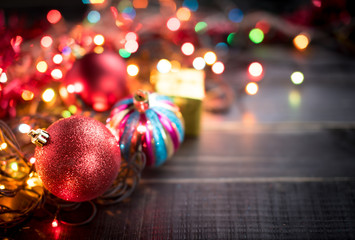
(191, 4)
(221, 46)
(94, 16)
(235, 15)
(129, 13)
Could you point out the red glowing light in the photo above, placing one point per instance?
(173, 24)
(46, 41)
(317, 3)
(54, 16)
(55, 223)
(255, 69)
(263, 26)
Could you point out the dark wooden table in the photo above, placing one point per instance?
(279, 165)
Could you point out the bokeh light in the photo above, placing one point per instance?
(230, 38)
(98, 49)
(183, 14)
(173, 24)
(3, 78)
(99, 39)
(66, 114)
(46, 41)
(78, 87)
(131, 46)
(255, 69)
(297, 78)
(124, 53)
(94, 16)
(235, 15)
(200, 27)
(191, 4)
(252, 88)
(218, 67)
(48, 95)
(131, 36)
(263, 26)
(27, 95)
(42, 66)
(54, 16)
(129, 13)
(32, 160)
(256, 35)
(57, 59)
(70, 88)
(164, 66)
(187, 48)
(294, 98)
(132, 70)
(210, 58)
(140, 3)
(3, 146)
(301, 41)
(24, 128)
(199, 63)
(56, 74)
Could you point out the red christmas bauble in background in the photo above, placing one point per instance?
(96, 80)
(80, 160)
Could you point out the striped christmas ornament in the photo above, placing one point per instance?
(150, 123)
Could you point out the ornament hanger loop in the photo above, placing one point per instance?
(39, 137)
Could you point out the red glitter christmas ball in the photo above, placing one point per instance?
(80, 160)
(96, 81)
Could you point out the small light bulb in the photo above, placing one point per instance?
(55, 223)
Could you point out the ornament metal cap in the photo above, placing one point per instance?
(39, 137)
(141, 100)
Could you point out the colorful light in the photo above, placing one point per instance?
(317, 3)
(164, 66)
(48, 95)
(255, 69)
(235, 15)
(210, 58)
(66, 114)
(256, 35)
(173, 24)
(42, 66)
(98, 49)
(294, 98)
(183, 14)
(140, 3)
(124, 53)
(252, 88)
(199, 63)
(54, 16)
(71, 88)
(99, 39)
(27, 95)
(94, 16)
(175, 66)
(55, 223)
(56, 74)
(200, 27)
(46, 41)
(131, 36)
(57, 59)
(24, 128)
(230, 38)
(131, 46)
(2, 187)
(218, 67)
(3, 78)
(187, 48)
(263, 26)
(3, 146)
(132, 70)
(32, 160)
(73, 109)
(14, 165)
(129, 13)
(297, 78)
(301, 41)
(78, 87)
(97, 1)
(191, 4)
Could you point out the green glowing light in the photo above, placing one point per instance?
(73, 109)
(256, 35)
(230, 38)
(66, 114)
(124, 53)
(200, 26)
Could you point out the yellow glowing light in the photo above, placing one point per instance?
(30, 182)
(71, 88)
(14, 166)
(24, 128)
(63, 92)
(301, 41)
(218, 67)
(175, 66)
(99, 39)
(252, 88)
(3, 146)
(73, 109)
(173, 24)
(255, 69)
(131, 36)
(164, 66)
(46, 41)
(42, 66)
(199, 63)
(58, 59)
(2, 187)
(97, 1)
(98, 49)
(56, 74)
(132, 70)
(3, 78)
(294, 98)
(297, 78)
(131, 46)
(183, 14)
(32, 160)
(210, 58)
(48, 95)
(187, 48)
